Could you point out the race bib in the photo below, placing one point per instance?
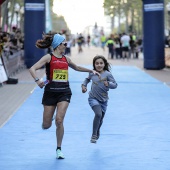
(60, 75)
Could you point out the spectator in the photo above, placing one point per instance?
(125, 39)
(110, 44)
(103, 41)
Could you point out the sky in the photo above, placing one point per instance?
(80, 13)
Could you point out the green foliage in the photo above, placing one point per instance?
(58, 22)
(20, 2)
(130, 10)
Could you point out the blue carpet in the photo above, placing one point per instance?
(135, 134)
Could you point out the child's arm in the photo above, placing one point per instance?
(111, 83)
(84, 85)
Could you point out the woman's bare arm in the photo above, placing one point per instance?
(45, 59)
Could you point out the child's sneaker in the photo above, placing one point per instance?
(60, 155)
(93, 139)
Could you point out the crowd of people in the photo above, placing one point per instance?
(11, 53)
(119, 46)
(11, 42)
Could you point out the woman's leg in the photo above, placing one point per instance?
(47, 116)
(61, 111)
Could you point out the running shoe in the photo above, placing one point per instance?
(93, 139)
(60, 155)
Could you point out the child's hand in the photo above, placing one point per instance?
(84, 89)
(106, 83)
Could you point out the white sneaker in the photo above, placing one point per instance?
(60, 155)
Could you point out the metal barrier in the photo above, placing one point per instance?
(13, 61)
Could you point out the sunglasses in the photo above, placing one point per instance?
(65, 44)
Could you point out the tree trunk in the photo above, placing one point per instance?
(119, 24)
(132, 22)
(12, 12)
(4, 19)
(127, 23)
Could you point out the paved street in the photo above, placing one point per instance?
(12, 96)
(134, 136)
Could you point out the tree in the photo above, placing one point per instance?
(128, 12)
(8, 11)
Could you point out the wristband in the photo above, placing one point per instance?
(36, 79)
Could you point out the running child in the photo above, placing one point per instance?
(98, 95)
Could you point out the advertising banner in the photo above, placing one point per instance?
(34, 26)
(153, 34)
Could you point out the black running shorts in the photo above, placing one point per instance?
(126, 49)
(52, 98)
